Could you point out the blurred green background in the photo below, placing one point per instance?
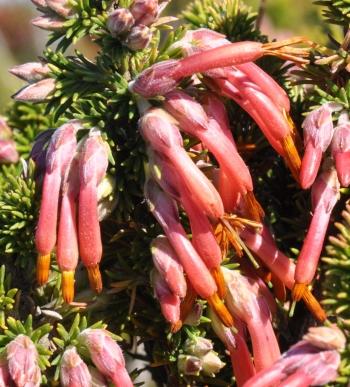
(20, 43)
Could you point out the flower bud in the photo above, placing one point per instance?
(49, 23)
(74, 372)
(194, 317)
(40, 3)
(341, 153)
(198, 346)
(326, 337)
(106, 355)
(8, 152)
(189, 365)
(31, 71)
(139, 38)
(61, 7)
(22, 358)
(120, 21)
(211, 364)
(5, 379)
(144, 11)
(223, 333)
(5, 130)
(36, 92)
(97, 379)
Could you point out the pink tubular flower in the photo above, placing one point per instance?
(169, 302)
(304, 364)
(67, 239)
(5, 378)
(325, 194)
(318, 133)
(254, 311)
(22, 358)
(106, 355)
(8, 152)
(145, 12)
(49, 23)
(167, 264)
(93, 163)
(341, 153)
(74, 372)
(36, 92)
(31, 72)
(159, 130)
(59, 155)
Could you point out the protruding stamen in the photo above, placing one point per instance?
(68, 286)
(43, 268)
(176, 326)
(292, 157)
(279, 289)
(298, 291)
(186, 305)
(220, 309)
(220, 281)
(314, 306)
(95, 278)
(253, 207)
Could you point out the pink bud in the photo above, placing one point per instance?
(169, 302)
(39, 3)
(106, 355)
(49, 23)
(31, 72)
(22, 358)
(167, 264)
(36, 92)
(93, 164)
(5, 379)
(74, 372)
(5, 130)
(145, 11)
(326, 337)
(120, 21)
(341, 153)
(61, 7)
(318, 133)
(8, 152)
(139, 38)
(189, 365)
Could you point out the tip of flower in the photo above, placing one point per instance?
(175, 327)
(253, 207)
(298, 291)
(67, 286)
(291, 156)
(279, 289)
(187, 304)
(220, 309)
(43, 268)
(95, 279)
(314, 306)
(220, 281)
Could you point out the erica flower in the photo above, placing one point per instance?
(5, 378)
(49, 23)
(74, 372)
(61, 7)
(36, 92)
(145, 12)
(31, 72)
(139, 38)
(93, 163)
(341, 152)
(22, 359)
(120, 21)
(318, 133)
(60, 153)
(106, 355)
(8, 152)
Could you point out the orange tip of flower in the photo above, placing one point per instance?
(314, 306)
(298, 291)
(220, 309)
(43, 268)
(291, 156)
(67, 286)
(186, 305)
(220, 281)
(175, 327)
(253, 207)
(95, 279)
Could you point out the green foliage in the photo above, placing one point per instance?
(336, 11)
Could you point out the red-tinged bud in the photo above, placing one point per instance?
(49, 23)
(254, 311)
(36, 92)
(341, 153)
(5, 130)
(31, 72)
(5, 378)
(61, 7)
(139, 38)
(169, 302)
(8, 152)
(189, 365)
(22, 358)
(163, 136)
(74, 372)
(326, 338)
(144, 11)
(120, 21)
(318, 133)
(325, 194)
(167, 264)
(106, 355)
(93, 163)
